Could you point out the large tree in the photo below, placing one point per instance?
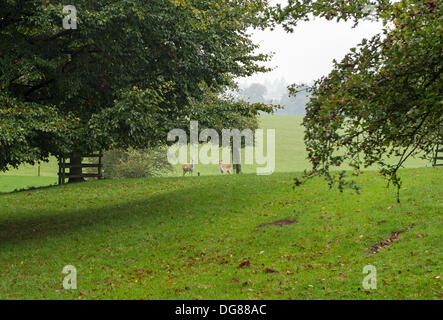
(219, 111)
(382, 103)
(121, 79)
(255, 93)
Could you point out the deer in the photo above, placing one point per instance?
(188, 167)
(225, 168)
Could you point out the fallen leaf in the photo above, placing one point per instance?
(268, 270)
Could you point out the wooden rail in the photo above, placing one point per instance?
(62, 166)
(439, 150)
(438, 155)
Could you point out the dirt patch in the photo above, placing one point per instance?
(280, 223)
(268, 270)
(389, 241)
(244, 264)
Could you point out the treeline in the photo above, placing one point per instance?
(276, 93)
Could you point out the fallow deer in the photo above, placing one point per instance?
(225, 168)
(188, 167)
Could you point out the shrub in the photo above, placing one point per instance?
(133, 163)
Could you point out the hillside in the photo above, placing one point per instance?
(218, 237)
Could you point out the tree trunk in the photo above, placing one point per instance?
(76, 171)
(236, 156)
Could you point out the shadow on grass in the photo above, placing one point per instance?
(39, 225)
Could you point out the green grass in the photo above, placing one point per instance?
(184, 238)
(290, 156)
(290, 152)
(47, 169)
(14, 182)
(27, 176)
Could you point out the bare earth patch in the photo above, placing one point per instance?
(389, 241)
(280, 223)
(244, 264)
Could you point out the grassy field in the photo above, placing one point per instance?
(290, 157)
(199, 238)
(219, 237)
(14, 182)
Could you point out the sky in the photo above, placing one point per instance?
(307, 54)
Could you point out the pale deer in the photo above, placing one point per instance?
(225, 168)
(188, 167)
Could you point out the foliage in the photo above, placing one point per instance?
(219, 110)
(295, 104)
(303, 10)
(134, 163)
(122, 78)
(384, 99)
(225, 112)
(29, 132)
(276, 93)
(290, 156)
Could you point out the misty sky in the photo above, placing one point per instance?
(307, 54)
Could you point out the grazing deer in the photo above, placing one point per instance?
(188, 167)
(225, 168)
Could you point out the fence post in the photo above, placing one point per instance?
(62, 165)
(100, 166)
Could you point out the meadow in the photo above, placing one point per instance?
(290, 156)
(223, 237)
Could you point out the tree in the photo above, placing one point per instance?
(383, 102)
(254, 93)
(295, 102)
(220, 111)
(121, 79)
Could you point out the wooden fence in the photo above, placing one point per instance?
(62, 166)
(439, 151)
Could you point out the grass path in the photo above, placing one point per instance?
(174, 238)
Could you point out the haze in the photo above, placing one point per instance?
(307, 54)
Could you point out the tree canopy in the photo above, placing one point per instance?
(382, 103)
(219, 111)
(122, 78)
(254, 93)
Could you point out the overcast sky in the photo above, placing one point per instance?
(307, 54)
